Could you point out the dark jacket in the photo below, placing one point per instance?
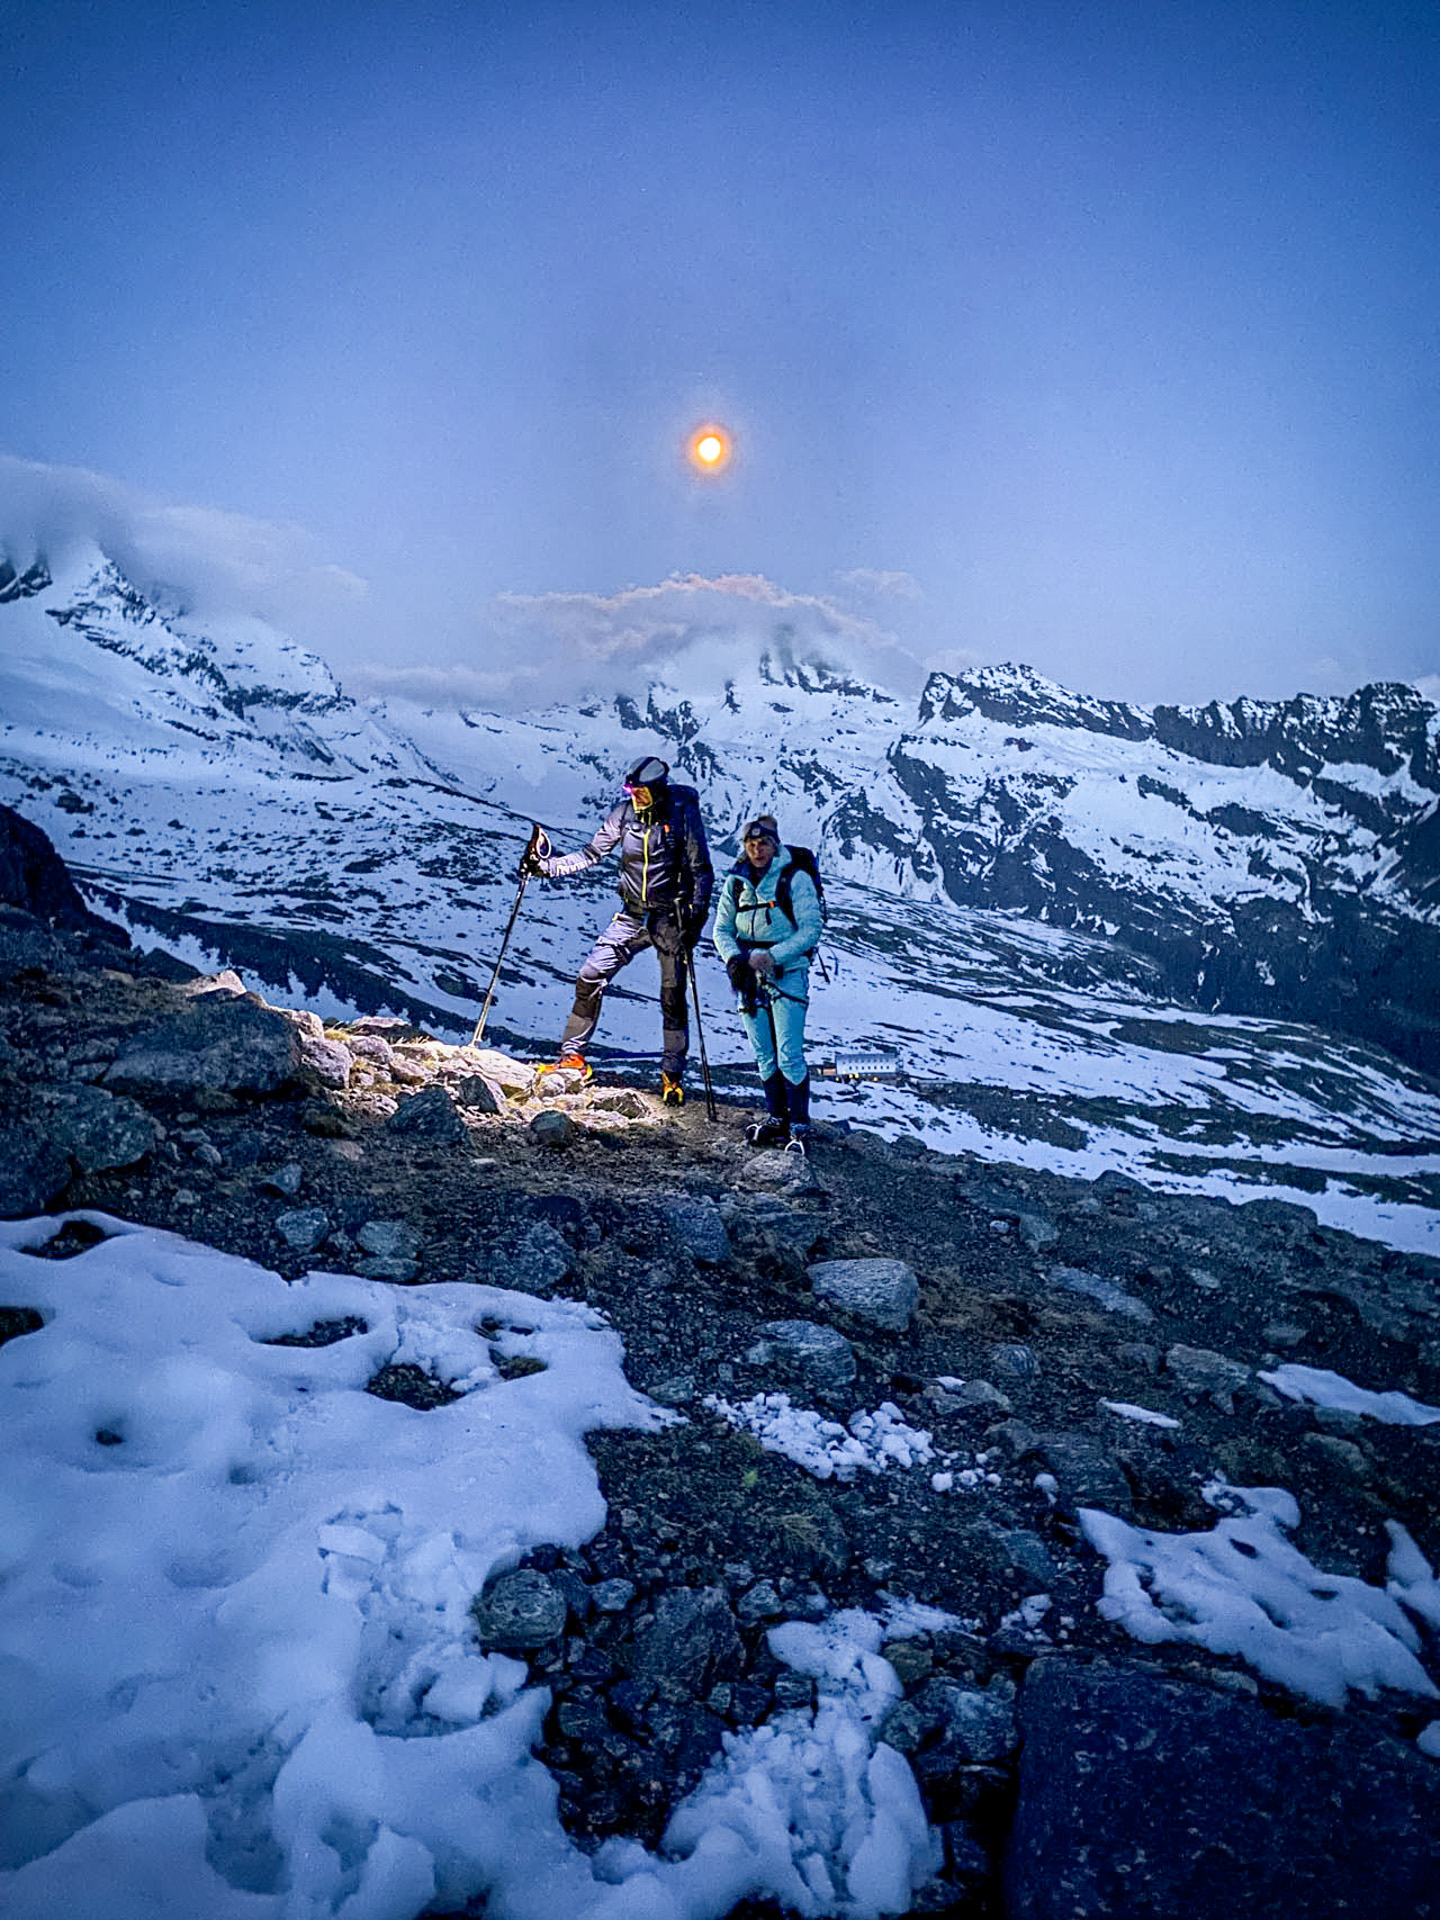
(664, 858)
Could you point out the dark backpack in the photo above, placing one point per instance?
(802, 860)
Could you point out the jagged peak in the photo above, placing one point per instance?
(1019, 696)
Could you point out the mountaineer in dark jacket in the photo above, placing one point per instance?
(665, 884)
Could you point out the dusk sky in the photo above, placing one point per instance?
(1101, 337)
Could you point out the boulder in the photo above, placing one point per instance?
(324, 1060)
(1087, 1476)
(389, 1239)
(1198, 1371)
(28, 946)
(479, 1094)
(883, 1292)
(513, 1077)
(804, 1350)
(536, 1261)
(763, 1226)
(552, 1129)
(220, 1043)
(692, 1641)
(99, 1130)
(520, 1610)
(696, 1223)
(429, 1116)
(33, 1171)
(1143, 1794)
(302, 1228)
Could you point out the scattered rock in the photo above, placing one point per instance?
(302, 1228)
(1109, 1823)
(691, 1640)
(389, 1239)
(883, 1292)
(520, 1610)
(553, 1129)
(1197, 1370)
(33, 1171)
(1104, 1292)
(804, 1350)
(430, 1116)
(100, 1130)
(479, 1094)
(696, 1223)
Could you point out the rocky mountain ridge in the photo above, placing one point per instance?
(1069, 1346)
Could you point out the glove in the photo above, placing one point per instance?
(533, 860)
(691, 928)
(739, 974)
(764, 964)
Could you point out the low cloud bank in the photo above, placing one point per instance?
(210, 561)
(535, 649)
(525, 651)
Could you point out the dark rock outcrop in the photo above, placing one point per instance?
(1141, 1794)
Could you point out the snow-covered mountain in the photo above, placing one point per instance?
(1090, 931)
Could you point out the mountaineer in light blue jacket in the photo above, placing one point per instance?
(767, 953)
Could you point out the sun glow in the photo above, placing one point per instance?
(709, 448)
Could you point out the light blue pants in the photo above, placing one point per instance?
(777, 1033)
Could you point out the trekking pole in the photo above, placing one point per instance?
(710, 1109)
(532, 846)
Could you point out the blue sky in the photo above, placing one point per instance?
(1099, 337)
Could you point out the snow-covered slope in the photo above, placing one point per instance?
(1087, 931)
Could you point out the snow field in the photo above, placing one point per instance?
(239, 1666)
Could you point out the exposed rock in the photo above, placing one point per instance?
(27, 946)
(219, 1043)
(552, 1129)
(624, 1101)
(514, 1079)
(99, 1130)
(389, 1239)
(479, 1094)
(696, 1223)
(969, 1727)
(536, 1261)
(1197, 1370)
(692, 1640)
(1111, 1823)
(1014, 1361)
(1087, 1476)
(977, 1393)
(302, 1228)
(33, 1171)
(884, 1292)
(519, 1610)
(804, 1350)
(323, 1060)
(1106, 1293)
(764, 1226)
(1038, 1231)
(430, 1116)
(35, 879)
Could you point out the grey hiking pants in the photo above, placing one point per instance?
(627, 935)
